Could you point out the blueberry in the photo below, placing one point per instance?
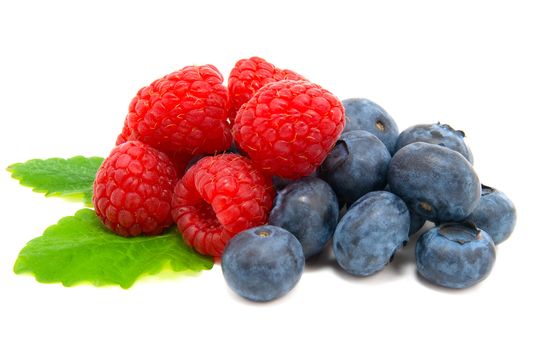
(370, 233)
(263, 263)
(281, 182)
(455, 255)
(436, 183)
(495, 214)
(307, 208)
(437, 134)
(356, 165)
(362, 114)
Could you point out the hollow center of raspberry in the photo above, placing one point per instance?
(208, 216)
(380, 126)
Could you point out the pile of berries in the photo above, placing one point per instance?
(265, 172)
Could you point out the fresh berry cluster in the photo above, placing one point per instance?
(374, 191)
(269, 170)
(175, 159)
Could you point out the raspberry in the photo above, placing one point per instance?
(180, 160)
(219, 197)
(249, 75)
(133, 189)
(185, 111)
(288, 127)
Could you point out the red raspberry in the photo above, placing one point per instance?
(133, 189)
(249, 75)
(185, 111)
(289, 127)
(218, 197)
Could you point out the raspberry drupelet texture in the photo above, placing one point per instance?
(217, 198)
(133, 188)
(288, 127)
(249, 75)
(180, 160)
(185, 111)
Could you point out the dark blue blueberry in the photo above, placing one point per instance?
(263, 263)
(495, 214)
(455, 255)
(280, 182)
(307, 208)
(437, 134)
(356, 165)
(362, 114)
(370, 233)
(436, 183)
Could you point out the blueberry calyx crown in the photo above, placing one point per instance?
(426, 206)
(338, 155)
(487, 190)
(263, 234)
(460, 232)
(449, 128)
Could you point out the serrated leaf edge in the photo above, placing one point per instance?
(80, 215)
(68, 195)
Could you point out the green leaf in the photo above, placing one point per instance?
(70, 178)
(80, 249)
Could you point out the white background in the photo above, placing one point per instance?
(68, 72)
